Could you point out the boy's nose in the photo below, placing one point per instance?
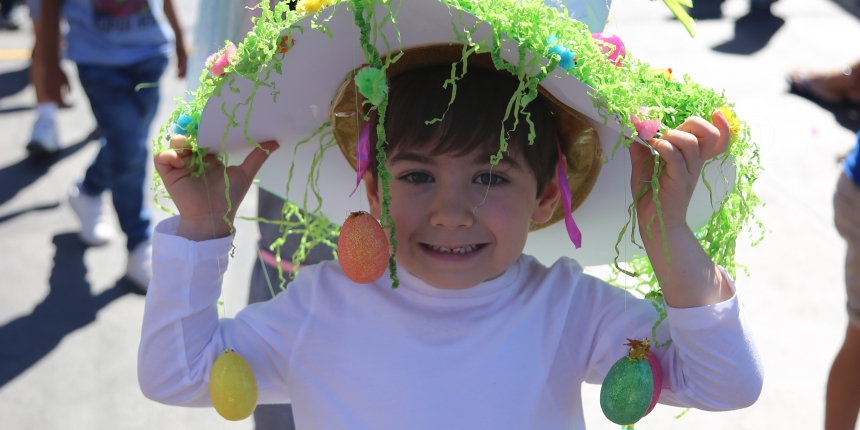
(451, 210)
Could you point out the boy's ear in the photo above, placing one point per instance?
(547, 202)
(373, 199)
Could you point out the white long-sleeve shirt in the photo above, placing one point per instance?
(510, 353)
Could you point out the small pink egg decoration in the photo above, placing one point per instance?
(645, 129)
(217, 63)
(607, 39)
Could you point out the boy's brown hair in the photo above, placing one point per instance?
(473, 122)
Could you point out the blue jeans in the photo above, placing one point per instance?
(123, 114)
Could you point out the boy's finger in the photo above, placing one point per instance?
(164, 161)
(178, 141)
(676, 164)
(254, 161)
(638, 154)
(707, 134)
(642, 163)
(687, 146)
(177, 162)
(722, 124)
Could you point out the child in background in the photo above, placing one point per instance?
(121, 50)
(843, 385)
(478, 335)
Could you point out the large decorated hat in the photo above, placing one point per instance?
(308, 78)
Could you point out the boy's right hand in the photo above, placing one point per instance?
(201, 200)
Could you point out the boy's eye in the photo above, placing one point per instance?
(417, 177)
(489, 179)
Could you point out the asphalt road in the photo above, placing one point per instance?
(69, 326)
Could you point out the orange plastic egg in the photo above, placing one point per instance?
(362, 249)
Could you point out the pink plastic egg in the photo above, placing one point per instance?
(611, 45)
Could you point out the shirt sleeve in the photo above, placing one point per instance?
(182, 335)
(711, 361)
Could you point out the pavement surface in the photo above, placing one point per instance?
(70, 326)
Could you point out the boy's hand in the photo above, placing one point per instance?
(201, 200)
(685, 151)
(692, 279)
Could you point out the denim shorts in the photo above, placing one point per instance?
(846, 205)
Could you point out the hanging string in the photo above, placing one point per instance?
(223, 310)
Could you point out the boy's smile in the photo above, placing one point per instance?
(461, 221)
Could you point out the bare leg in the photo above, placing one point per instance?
(50, 89)
(38, 74)
(832, 85)
(37, 71)
(843, 385)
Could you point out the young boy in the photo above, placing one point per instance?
(478, 335)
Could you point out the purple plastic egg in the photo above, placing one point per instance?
(611, 45)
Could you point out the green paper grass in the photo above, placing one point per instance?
(372, 84)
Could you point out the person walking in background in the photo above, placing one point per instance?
(121, 49)
(842, 403)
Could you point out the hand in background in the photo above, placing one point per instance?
(201, 201)
(181, 53)
(181, 61)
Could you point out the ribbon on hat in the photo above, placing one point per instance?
(572, 230)
(362, 154)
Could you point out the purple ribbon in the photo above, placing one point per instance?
(362, 154)
(572, 230)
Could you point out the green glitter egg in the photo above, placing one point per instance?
(626, 391)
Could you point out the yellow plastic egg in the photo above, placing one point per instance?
(233, 387)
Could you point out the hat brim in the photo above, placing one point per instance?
(316, 65)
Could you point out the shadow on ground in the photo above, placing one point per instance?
(753, 31)
(24, 173)
(850, 6)
(39, 208)
(69, 306)
(14, 82)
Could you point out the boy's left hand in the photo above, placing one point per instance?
(684, 151)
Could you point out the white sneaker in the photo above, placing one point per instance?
(44, 141)
(139, 268)
(95, 228)
(13, 18)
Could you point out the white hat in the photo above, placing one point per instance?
(293, 105)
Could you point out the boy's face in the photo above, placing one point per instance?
(459, 223)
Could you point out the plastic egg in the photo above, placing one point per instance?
(632, 386)
(233, 386)
(611, 45)
(362, 249)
